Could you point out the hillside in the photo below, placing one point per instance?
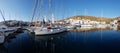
(93, 18)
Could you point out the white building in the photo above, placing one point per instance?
(113, 23)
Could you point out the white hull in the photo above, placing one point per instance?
(49, 31)
(45, 31)
(2, 37)
(7, 32)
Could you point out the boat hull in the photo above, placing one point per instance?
(49, 31)
(2, 37)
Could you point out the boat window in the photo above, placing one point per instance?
(3, 28)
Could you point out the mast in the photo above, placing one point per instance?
(34, 10)
(42, 9)
(85, 14)
(50, 8)
(101, 23)
(9, 16)
(43, 14)
(38, 12)
(101, 16)
(2, 16)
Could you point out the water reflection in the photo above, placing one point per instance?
(90, 40)
(91, 29)
(46, 44)
(3, 49)
(18, 43)
(118, 29)
(8, 39)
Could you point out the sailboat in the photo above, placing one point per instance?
(47, 28)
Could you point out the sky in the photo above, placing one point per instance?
(61, 9)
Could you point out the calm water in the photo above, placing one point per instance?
(107, 41)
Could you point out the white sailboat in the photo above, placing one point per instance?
(49, 29)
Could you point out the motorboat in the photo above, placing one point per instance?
(6, 30)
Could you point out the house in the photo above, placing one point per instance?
(113, 23)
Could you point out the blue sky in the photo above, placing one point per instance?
(23, 9)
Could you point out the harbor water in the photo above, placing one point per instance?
(76, 41)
